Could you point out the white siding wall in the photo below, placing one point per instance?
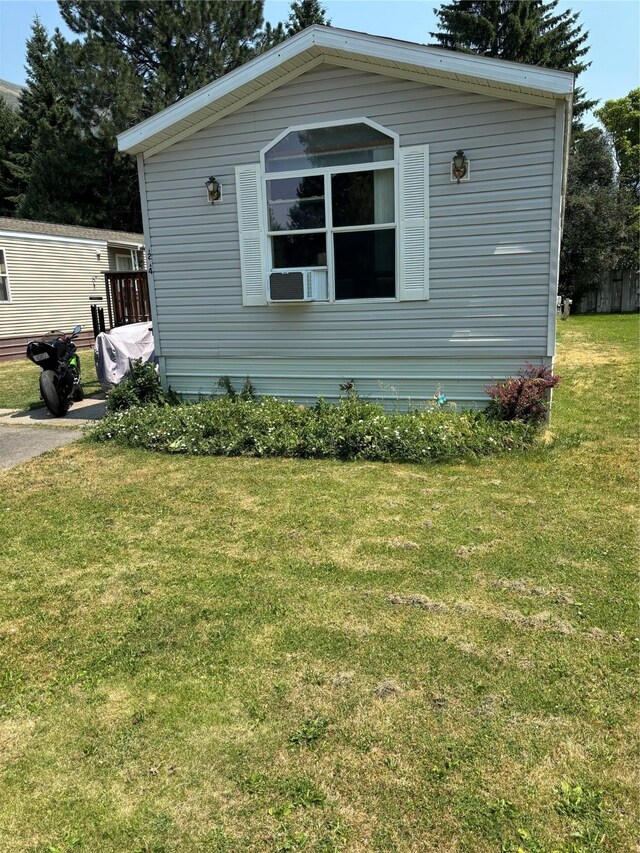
(50, 282)
(489, 250)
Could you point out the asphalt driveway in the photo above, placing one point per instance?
(25, 435)
(20, 443)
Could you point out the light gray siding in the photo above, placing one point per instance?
(490, 243)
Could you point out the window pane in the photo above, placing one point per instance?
(124, 263)
(329, 146)
(362, 198)
(365, 264)
(4, 279)
(296, 203)
(299, 250)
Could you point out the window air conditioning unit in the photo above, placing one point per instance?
(298, 286)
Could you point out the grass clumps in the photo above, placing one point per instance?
(350, 429)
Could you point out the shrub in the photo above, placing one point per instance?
(247, 393)
(523, 397)
(140, 387)
(351, 429)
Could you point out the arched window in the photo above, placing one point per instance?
(330, 195)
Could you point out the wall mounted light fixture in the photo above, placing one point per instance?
(459, 167)
(214, 190)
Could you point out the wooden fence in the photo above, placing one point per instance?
(618, 293)
(127, 297)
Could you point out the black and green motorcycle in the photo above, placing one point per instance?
(55, 354)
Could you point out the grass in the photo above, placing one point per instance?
(19, 387)
(239, 654)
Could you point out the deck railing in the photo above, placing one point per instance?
(127, 297)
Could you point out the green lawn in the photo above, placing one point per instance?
(19, 387)
(214, 654)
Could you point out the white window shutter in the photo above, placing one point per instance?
(414, 222)
(252, 235)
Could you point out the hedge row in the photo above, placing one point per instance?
(350, 429)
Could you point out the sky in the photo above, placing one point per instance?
(613, 25)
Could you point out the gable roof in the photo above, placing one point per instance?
(69, 232)
(318, 44)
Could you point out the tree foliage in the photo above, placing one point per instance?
(598, 220)
(305, 13)
(132, 59)
(529, 31)
(172, 47)
(621, 119)
(9, 184)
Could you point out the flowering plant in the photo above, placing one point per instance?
(524, 397)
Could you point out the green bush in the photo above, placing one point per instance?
(351, 429)
(140, 387)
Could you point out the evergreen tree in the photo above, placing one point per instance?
(174, 47)
(132, 60)
(528, 31)
(9, 186)
(50, 158)
(305, 13)
(44, 114)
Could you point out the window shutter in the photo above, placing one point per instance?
(252, 235)
(414, 222)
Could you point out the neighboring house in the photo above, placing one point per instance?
(48, 272)
(340, 244)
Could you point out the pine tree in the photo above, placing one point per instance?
(526, 31)
(10, 187)
(173, 47)
(45, 115)
(132, 60)
(305, 13)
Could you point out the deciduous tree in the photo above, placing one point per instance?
(621, 119)
(597, 221)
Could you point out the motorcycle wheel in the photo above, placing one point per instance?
(53, 399)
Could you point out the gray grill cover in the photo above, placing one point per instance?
(114, 350)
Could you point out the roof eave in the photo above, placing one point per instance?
(311, 45)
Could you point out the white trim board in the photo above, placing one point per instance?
(320, 43)
(556, 224)
(8, 300)
(149, 264)
(52, 238)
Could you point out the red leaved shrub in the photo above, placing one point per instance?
(524, 397)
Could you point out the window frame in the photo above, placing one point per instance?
(329, 229)
(131, 255)
(6, 276)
